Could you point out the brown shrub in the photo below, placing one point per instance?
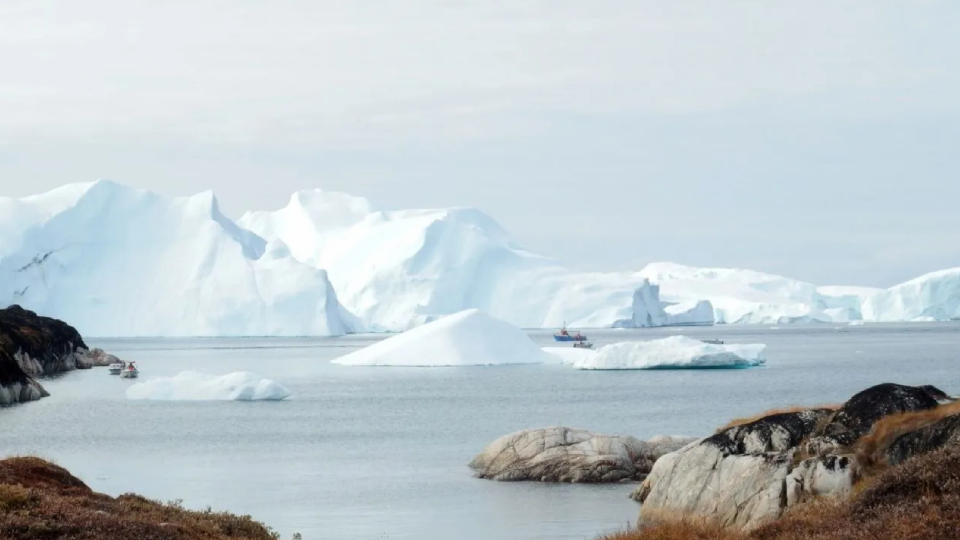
(780, 410)
(41, 501)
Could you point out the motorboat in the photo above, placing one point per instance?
(116, 368)
(712, 341)
(564, 335)
(130, 372)
(582, 345)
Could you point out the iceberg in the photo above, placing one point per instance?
(194, 386)
(122, 262)
(468, 338)
(398, 269)
(128, 263)
(675, 352)
(930, 297)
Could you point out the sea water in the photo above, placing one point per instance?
(363, 453)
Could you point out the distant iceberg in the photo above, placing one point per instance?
(676, 352)
(193, 386)
(930, 297)
(468, 338)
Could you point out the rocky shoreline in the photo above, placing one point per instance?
(32, 347)
(749, 474)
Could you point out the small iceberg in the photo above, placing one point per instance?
(193, 386)
(676, 352)
(467, 338)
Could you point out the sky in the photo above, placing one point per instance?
(818, 140)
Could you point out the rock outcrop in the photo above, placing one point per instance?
(41, 345)
(747, 475)
(860, 412)
(561, 454)
(34, 346)
(100, 358)
(944, 432)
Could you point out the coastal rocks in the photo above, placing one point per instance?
(944, 432)
(861, 411)
(15, 385)
(821, 475)
(774, 433)
(102, 359)
(704, 480)
(41, 345)
(747, 475)
(35, 346)
(561, 454)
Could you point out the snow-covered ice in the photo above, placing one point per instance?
(117, 261)
(930, 297)
(194, 386)
(675, 352)
(468, 338)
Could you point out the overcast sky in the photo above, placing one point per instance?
(815, 139)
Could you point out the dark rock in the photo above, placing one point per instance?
(860, 412)
(34, 346)
(937, 435)
(51, 345)
(774, 433)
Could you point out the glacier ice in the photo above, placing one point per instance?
(468, 338)
(117, 261)
(194, 386)
(124, 262)
(931, 297)
(675, 352)
(398, 269)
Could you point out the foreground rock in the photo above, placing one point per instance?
(917, 500)
(561, 454)
(747, 475)
(41, 500)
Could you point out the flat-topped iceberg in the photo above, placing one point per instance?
(467, 338)
(193, 386)
(676, 352)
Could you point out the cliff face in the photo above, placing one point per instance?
(34, 346)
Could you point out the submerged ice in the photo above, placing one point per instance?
(194, 386)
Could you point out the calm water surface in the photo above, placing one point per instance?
(381, 453)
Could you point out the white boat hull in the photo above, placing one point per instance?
(129, 374)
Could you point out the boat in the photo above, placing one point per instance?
(713, 341)
(130, 372)
(582, 345)
(116, 368)
(564, 335)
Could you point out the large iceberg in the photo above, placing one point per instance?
(468, 338)
(397, 269)
(675, 352)
(118, 261)
(931, 297)
(193, 386)
(123, 262)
